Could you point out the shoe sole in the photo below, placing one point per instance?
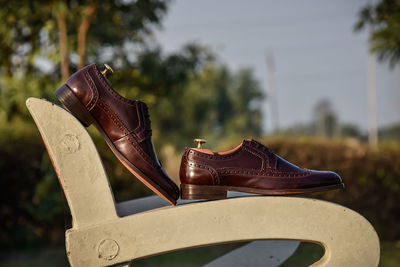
(74, 105)
(189, 191)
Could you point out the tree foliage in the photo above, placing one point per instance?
(42, 39)
(189, 93)
(384, 19)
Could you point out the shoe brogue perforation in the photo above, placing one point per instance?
(114, 93)
(240, 174)
(124, 124)
(266, 173)
(144, 155)
(146, 119)
(215, 156)
(212, 171)
(114, 117)
(238, 171)
(260, 148)
(95, 94)
(263, 157)
(203, 165)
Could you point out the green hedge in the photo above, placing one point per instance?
(371, 176)
(34, 211)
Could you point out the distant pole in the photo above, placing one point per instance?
(272, 91)
(372, 106)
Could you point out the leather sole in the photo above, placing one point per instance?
(190, 191)
(74, 105)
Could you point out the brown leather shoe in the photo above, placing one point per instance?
(251, 168)
(124, 124)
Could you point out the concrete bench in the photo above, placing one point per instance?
(106, 233)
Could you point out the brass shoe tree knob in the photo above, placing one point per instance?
(107, 70)
(200, 142)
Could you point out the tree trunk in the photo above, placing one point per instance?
(82, 33)
(63, 39)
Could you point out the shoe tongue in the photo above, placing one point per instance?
(147, 144)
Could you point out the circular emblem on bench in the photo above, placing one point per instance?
(108, 249)
(69, 143)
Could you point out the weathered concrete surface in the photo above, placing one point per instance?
(100, 237)
(77, 163)
(262, 253)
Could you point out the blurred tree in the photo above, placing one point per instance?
(38, 36)
(384, 19)
(190, 95)
(188, 92)
(391, 132)
(297, 130)
(247, 99)
(353, 131)
(220, 105)
(64, 26)
(325, 124)
(325, 119)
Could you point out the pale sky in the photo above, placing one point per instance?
(317, 55)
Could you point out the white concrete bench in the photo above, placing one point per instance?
(105, 233)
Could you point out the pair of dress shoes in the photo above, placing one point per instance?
(125, 125)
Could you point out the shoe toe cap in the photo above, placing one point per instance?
(327, 177)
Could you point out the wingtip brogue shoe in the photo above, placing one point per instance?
(250, 167)
(123, 123)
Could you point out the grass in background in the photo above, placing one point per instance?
(390, 254)
(41, 257)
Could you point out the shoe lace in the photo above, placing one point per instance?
(147, 119)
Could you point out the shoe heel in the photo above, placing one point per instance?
(72, 103)
(189, 191)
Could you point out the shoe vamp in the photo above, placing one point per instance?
(283, 165)
(149, 149)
